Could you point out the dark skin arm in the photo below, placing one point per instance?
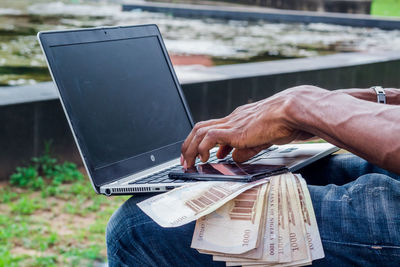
(368, 94)
(365, 128)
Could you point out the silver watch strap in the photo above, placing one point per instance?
(380, 94)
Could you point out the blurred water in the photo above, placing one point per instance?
(219, 41)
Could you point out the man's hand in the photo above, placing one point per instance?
(248, 129)
(367, 129)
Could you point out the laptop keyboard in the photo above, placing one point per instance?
(162, 176)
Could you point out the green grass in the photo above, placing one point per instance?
(26, 206)
(50, 216)
(386, 8)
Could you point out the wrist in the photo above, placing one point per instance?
(392, 96)
(365, 94)
(303, 106)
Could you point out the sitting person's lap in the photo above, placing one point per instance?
(357, 213)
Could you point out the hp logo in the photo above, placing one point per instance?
(152, 158)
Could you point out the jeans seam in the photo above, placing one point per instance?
(359, 244)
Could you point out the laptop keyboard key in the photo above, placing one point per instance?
(168, 180)
(157, 180)
(142, 181)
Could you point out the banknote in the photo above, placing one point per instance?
(252, 254)
(270, 222)
(287, 207)
(271, 236)
(192, 201)
(297, 235)
(288, 264)
(298, 215)
(313, 236)
(304, 205)
(271, 233)
(284, 253)
(270, 248)
(234, 228)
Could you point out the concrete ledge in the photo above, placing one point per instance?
(11, 95)
(259, 13)
(31, 115)
(237, 71)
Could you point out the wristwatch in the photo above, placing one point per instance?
(380, 94)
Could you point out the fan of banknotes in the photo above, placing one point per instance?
(269, 222)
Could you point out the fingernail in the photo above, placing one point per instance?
(185, 164)
(181, 159)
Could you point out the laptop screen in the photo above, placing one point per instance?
(122, 97)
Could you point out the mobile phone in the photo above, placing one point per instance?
(228, 172)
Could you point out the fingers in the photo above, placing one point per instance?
(196, 128)
(244, 154)
(204, 141)
(223, 151)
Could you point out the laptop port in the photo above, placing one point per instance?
(157, 188)
(108, 192)
(169, 187)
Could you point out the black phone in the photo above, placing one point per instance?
(224, 171)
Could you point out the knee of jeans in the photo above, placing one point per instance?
(127, 217)
(377, 197)
(113, 230)
(373, 180)
(374, 192)
(118, 223)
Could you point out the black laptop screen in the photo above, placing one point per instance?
(122, 97)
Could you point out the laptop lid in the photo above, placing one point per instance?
(121, 97)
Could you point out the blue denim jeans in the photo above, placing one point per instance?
(357, 206)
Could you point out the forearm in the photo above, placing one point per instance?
(367, 129)
(392, 94)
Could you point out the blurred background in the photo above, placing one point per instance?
(225, 53)
(190, 41)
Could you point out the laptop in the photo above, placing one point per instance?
(126, 109)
